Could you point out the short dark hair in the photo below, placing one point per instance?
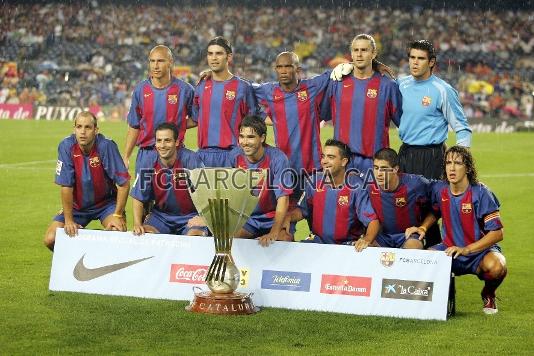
(256, 123)
(389, 155)
(168, 126)
(221, 41)
(89, 114)
(343, 148)
(423, 45)
(467, 159)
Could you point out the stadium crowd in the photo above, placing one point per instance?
(61, 59)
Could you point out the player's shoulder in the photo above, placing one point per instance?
(406, 81)
(274, 151)
(142, 84)
(243, 81)
(68, 142)
(440, 83)
(438, 185)
(105, 144)
(414, 178)
(182, 83)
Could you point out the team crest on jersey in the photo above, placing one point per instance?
(467, 208)
(400, 202)
(94, 161)
(387, 258)
(372, 93)
(302, 95)
(343, 200)
(426, 101)
(146, 95)
(172, 99)
(230, 94)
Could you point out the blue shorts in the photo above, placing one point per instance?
(467, 264)
(393, 240)
(259, 225)
(214, 157)
(361, 163)
(171, 224)
(148, 154)
(319, 240)
(84, 217)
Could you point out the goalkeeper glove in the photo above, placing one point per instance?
(341, 70)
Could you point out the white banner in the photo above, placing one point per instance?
(377, 281)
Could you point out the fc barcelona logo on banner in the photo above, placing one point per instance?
(343, 200)
(426, 101)
(172, 99)
(387, 258)
(302, 95)
(466, 208)
(400, 202)
(94, 161)
(230, 95)
(372, 93)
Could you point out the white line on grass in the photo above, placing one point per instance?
(23, 164)
(507, 175)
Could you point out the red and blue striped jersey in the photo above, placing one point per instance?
(152, 106)
(296, 119)
(167, 186)
(361, 110)
(219, 107)
(279, 180)
(467, 217)
(92, 176)
(404, 207)
(337, 215)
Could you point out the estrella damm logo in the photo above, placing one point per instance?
(387, 258)
(172, 99)
(230, 94)
(94, 161)
(372, 93)
(467, 208)
(302, 95)
(426, 101)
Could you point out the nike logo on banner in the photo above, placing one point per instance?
(84, 274)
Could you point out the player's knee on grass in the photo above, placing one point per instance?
(244, 234)
(50, 235)
(493, 266)
(197, 232)
(150, 229)
(413, 244)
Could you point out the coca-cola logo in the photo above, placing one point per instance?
(190, 274)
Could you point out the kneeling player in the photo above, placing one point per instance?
(267, 219)
(335, 211)
(94, 181)
(471, 224)
(164, 179)
(400, 201)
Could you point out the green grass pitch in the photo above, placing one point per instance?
(36, 321)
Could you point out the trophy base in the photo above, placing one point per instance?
(222, 304)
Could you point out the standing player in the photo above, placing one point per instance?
(336, 209)
(293, 104)
(158, 99)
(266, 221)
(400, 200)
(471, 224)
(219, 105)
(94, 181)
(362, 105)
(164, 180)
(430, 105)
